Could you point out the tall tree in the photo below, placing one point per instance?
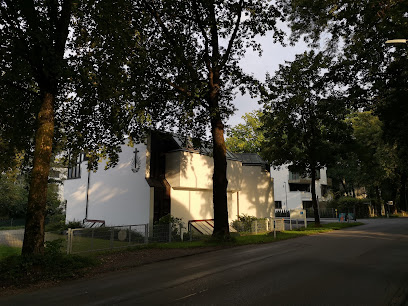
(194, 48)
(66, 88)
(303, 119)
(392, 109)
(33, 40)
(371, 72)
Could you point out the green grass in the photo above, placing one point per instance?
(20, 271)
(4, 228)
(253, 239)
(6, 251)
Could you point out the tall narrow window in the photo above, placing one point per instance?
(74, 171)
(135, 161)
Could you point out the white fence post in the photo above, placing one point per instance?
(274, 228)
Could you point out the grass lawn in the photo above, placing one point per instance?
(3, 228)
(6, 251)
(254, 239)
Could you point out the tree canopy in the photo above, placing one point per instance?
(193, 50)
(303, 119)
(372, 73)
(246, 137)
(65, 86)
(78, 75)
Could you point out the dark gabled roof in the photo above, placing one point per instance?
(253, 159)
(173, 142)
(205, 148)
(250, 159)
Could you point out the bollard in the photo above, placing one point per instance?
(274, 228)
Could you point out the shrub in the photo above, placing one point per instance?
(161, 228)
(243, 223)
(349, 204)
(52, 265)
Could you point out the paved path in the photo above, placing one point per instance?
(366, 265)
(12, 238)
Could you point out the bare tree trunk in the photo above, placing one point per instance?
(403, 195)
(220, 182)
(378, 201)
(314, 199)
(36, 207)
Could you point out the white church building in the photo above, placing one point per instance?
(166, 176)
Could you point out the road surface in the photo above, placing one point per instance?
(365, 265)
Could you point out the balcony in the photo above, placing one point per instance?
(296, 178)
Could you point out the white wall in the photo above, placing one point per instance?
(194, 171)
(294, 198)
(118, 195)
(190, 176)
(256, 193)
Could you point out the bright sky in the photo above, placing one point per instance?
(273, 55)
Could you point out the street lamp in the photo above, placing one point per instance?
(396, 41)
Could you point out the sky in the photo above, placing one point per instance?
(273, 55)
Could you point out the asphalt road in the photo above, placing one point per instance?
(365, 265)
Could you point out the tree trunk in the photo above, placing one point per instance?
(36, 207)
(378, 201)
(403, 194)
(220, 182)
(314, 199)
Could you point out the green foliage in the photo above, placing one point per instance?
(52, 265)
(246, 137)
(304, 117)
(6, 251)
(370, 163)
(21, 271)
(74, 224)
(373, 75)
(13, 197)
(163, 226)
(243, 223)
(350, 204)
